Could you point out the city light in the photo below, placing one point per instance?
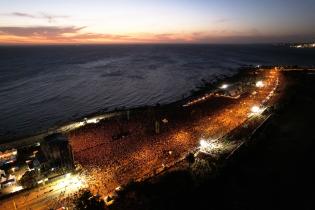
(260, 84)
(16, 188)
(71, 182)
(40, 181)
(103, 177)
(92, 121)
(204, 144)
(224, 86)
(203, 98)
(68, 175)
(209, 147)
(256, 110)
(119, 188)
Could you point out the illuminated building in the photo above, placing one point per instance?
(8, 156)
(58, 151)
(6, 180)
(2, 173)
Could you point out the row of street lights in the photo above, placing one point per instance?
(206, 146)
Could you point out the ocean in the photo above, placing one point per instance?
(44, 86)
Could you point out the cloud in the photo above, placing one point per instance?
(221, 20)
(73, 34)
(98, 36)
(21, 14)
(57, 34)
(165, 37)
(42, 15)
(40, 31)
(52, 18)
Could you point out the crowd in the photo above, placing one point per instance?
(66, 200)
(198, 100)
(111, 162)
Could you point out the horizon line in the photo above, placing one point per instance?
(150, 43)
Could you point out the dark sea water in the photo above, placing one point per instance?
(47, 85)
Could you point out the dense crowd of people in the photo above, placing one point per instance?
(110, 162)
(66, 200)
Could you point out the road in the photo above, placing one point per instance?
(45, 197)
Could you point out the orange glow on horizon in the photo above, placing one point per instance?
(99, 39)
(83, 35)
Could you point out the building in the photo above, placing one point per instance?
(2, 173)
(7, 181)
(8, 156)
(232, 90)
(57, 151)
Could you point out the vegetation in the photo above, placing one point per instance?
(87, 201)
(190, 158)
(30, 178)
(172, 188)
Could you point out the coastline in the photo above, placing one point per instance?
(252, 167)
(206, 87)
(106, 159)
(180, 162)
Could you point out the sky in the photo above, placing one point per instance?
(156, 21)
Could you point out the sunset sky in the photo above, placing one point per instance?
(156, 21)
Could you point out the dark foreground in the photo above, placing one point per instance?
(274, 170)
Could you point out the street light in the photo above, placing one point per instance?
(204, 144)
(224, 86)
(209, 147)
(260, 84)
(68, 175)
(256, 110)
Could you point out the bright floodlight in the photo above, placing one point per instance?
(204, 144)
(255, 109)
(93, 120)
(16, 188)
(259, 84)
(71, 182)
(224, 86)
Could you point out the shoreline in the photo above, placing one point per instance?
(204, 88)
(171, 167)
(210, 120)
(252, 167)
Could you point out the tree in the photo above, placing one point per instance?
(29, 179)
(190, 158)
(87, 201)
